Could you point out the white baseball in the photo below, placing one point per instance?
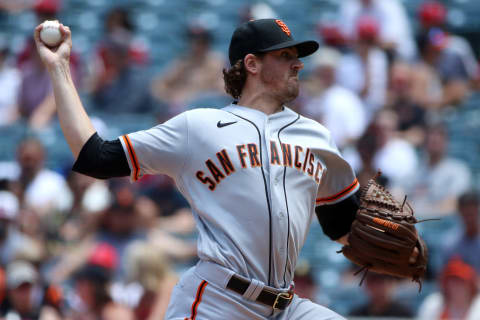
(50, 33)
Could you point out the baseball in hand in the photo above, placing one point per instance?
(50, 33)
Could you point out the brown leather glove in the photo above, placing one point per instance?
(383, 236)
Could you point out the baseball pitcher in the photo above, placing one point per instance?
(255, 174)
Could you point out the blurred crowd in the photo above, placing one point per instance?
(72, 247)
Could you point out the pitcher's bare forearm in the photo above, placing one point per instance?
(76, 125)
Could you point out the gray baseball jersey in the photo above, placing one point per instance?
(252, 180)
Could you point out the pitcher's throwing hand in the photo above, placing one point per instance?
(60, 54)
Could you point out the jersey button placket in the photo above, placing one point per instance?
(279, 220)
(273, 181)
(266, 158)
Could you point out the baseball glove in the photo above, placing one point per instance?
(383, 236)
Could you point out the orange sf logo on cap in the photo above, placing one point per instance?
(283, 26)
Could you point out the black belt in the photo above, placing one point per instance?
(278, 301)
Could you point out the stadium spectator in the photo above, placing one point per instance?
(41, 190)
(149, 267)
(365, 150)
(380, 290)
(427, 87)
(167, 218)
(337, 108)
(467, 245)
(381, 148)
(255, 11)
(458, 297)
(10, 80)
(332, 36)
(391, 149)
(194, 74)
(434, 187)
(22, 5)
(119, 19)
(90, 197)
(47, 9)
(15, 6)
(12, 240)
(365, 69)
(22, 299)
(117, 24)
(411, 116)
(162, 190)
(36, 104)
(363, 155)
(433, 14)
(120, 86)
(161, 205)
(75, 256)
(119, 227)
(441, 76)
(126, 219)
(91, 298)
(395, 33)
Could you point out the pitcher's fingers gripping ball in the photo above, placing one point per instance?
(54, 55)
(383, 237)
(50, 33)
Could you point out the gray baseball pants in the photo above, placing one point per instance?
(201, 294)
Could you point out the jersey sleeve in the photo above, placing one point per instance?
(338, 180)
(159, 150)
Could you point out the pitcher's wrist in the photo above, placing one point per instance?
(60, 70)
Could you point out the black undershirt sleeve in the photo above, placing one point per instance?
(102, 159)
(336, 219)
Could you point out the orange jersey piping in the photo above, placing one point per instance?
(338, 195)
(198, 299)
(133, 157)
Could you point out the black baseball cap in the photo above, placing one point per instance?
(265, 35)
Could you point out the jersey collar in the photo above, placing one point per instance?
(284, 116)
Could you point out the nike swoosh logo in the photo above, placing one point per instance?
(221, 125)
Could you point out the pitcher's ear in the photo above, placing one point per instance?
(252, 63)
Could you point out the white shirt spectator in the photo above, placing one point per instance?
(351, 74)
(393, 20)
(10, 80)
(48, 190)
(430, 187)
(8, 205)
(397, 160)
(341, 111)
(432, 307)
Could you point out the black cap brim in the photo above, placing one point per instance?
(305, 48)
